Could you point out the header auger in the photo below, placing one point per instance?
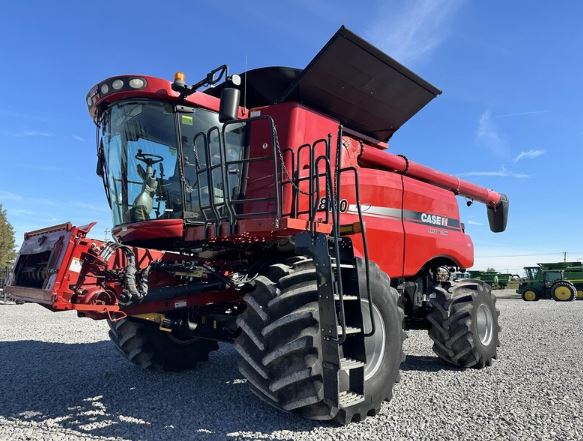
(283, 226)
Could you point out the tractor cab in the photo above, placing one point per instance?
(532, 272)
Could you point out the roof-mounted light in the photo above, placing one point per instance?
(117, 84)
(137, 83)
(179, 79)
(111, 86)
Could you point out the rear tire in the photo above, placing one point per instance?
(280, 343)
(464, 324)
(143, 344)
(563, 291)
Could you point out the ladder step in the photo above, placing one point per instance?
(347, 399)
(345, 297)
(349, 363)
(343, 265)
(349, 330)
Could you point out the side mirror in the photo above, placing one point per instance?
(230, 98)
(498, 215)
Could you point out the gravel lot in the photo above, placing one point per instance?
(62, 379)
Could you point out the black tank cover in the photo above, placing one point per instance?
(349, 79)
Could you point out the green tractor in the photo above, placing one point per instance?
(490, 277)
(550, 280)
(574, 273)
(504, 279)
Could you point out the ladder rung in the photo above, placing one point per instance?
(345, 297)
(347, 399)
(343, 265)
(349, 330)
(349, 363)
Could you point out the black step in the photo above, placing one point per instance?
(348, 398)
(348, 363)
(349, 330)
(345, 297)
(344, 265)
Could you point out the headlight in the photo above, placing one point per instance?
(137, 83)
(117, 84)
(104, 89)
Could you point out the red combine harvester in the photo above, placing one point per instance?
(278, 222)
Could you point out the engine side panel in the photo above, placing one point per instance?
(381, 197)
(432, 227)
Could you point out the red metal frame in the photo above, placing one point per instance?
(410, 211)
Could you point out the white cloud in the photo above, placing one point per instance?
(530, 112)
(529, 154)
(503, 173)
(78, 138)
(410, 30)
(512, 259)
(9, 196)
(91, 207)
(487, 129)
(471, 222)
(32, 133)
(488, 134)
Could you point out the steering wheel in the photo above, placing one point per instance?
(148, 158)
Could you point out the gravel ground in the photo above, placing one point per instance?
(60, 378)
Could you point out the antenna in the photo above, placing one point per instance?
(245, 87)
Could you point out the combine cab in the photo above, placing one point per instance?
(284, 227)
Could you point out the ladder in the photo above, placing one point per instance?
(342, 282)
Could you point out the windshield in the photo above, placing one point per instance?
(532, 272)
(140, 161)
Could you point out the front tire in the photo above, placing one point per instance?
(143, 344)
(280, 344)
(464, 324)
(530, 296)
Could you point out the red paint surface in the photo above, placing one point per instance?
(390, 188)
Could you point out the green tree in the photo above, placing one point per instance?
(7, 243)
(491, 270)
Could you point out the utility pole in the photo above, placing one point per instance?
(564, 256)
(107, 230)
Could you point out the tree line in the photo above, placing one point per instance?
(7, 241)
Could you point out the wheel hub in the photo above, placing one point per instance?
(529, 296)
(375, 344)
(484, 324)
(562, 293)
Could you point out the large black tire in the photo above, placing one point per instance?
(280, 343)
(464, 324)
(563, 291)
(143, 344)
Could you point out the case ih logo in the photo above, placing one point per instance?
(434, 219)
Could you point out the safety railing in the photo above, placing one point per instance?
(322, 204)
(217, 208)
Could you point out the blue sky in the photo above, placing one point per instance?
(510, 116)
